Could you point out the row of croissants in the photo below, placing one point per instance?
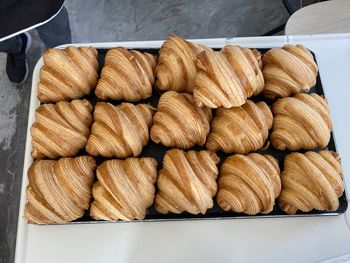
(225, 78)
(61, 190)
(63, 129)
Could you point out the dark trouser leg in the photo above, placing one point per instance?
(11, 45)
(57, 31)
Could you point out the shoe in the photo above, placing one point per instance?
(16, 64)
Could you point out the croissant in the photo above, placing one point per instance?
(119, 131)
(187, 182)
(68, 73)
(59, 191)
(228, 77)
(241, 130)
(126, 75)
(125, 189)
(311, 181)
(61, 129)
(179, 122)
(249, 183)
(176, 68)
(301, 122)
(288, 70)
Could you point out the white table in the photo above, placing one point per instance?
(247, 240)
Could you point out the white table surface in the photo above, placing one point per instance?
(239, 240)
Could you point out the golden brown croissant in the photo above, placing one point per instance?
(311, 181)
(240, 130)
(126, 75)
(249, 183)
(61, 129)
(125, 189)
(187, 182)
(68, 73)
(228, 77)
(288, 70)
(119, 131)
(176, 68)
(59, 191)
(301, 122)
(179, 122)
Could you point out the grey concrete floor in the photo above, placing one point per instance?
(103, 21)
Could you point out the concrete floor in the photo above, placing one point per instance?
(99, 21)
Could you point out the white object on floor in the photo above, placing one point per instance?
(320, 18)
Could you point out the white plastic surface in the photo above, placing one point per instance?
(238, 240)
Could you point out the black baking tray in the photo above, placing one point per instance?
(157, 151)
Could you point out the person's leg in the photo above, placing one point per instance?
(16, 63)
(57, 31)
(11, 45)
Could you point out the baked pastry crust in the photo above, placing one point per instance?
(59, 191)
(126, 75)
(69, 73)
(179, 122)
(301, 122)
(119, 131)
(125, 189)
(61, 129)
(288, 70)
(176, 68)
(228, 77)
(311, 181)
(187, 182)
(240, 130)
(249, 183)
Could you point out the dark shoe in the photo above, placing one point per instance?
(16, 64)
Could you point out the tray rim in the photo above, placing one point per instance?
(35, 103)
(253, 42)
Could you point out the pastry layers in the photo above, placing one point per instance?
(240, 130)
(301, 122)
(124, 189)
(228, 77)
(288, 70)
(311, 181)
(179, 122)
(59, 191)
(126, 75)
(61, 129)
(176, 69)
(249, 183)
(187, 182)
(68, 73)
(119, 131)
